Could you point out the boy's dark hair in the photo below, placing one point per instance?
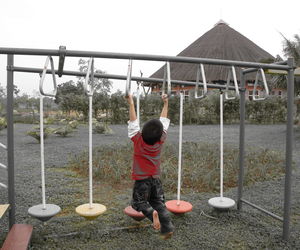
(152, 131)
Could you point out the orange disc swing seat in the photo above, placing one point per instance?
(179, 207)
(138, 216)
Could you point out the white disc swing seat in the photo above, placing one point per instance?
(221, 202)
(44, 211)
(90, 211)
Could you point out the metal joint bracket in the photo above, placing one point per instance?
(62, 55)
(10, 68)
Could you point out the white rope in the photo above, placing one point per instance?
(206, 215)
(3, 166)
(180, 149)
(90, 151)
(138, 103)
(42, 151)
(3, 185)
(221, 145)
(3, 146)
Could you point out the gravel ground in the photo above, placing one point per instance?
(203, 228)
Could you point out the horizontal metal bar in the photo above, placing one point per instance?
(119, 77)
(3, 185)
(262, 210)
(246, 71)
(146, 57)
(3, 146)
(3, 166)
(281, 62)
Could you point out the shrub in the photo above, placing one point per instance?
(50, 120)
(35, 133)
(102, 128)
(271, 110)
(200, 165)
(3, 123)
(63, 131)
(73, 124)
(26, 118)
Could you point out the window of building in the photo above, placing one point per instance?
(251, 94)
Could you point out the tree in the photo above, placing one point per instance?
(101, 102)
(102, 85)
(71, 97)
(3, 94)
(2, 91)
(119, 108)
(292, 49)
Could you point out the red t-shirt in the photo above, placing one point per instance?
(146, 158)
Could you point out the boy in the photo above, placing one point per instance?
(148, 195)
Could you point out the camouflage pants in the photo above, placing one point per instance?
(148, 195)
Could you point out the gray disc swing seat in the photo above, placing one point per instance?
(44, 211)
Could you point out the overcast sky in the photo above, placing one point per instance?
(162, 27)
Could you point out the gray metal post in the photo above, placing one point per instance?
(10, 139)
(289, 151)
(242, 142)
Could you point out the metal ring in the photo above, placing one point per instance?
(128, 79)
(89, 88)
(167, 77)
(237, 94)
(42, 92)
(261, 71)
(200, 68)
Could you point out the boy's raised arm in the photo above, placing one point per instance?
(164, 112)
(132, 114)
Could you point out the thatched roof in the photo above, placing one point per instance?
(221, 42)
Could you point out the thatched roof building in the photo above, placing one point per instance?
(221, 42)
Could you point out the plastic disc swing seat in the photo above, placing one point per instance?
(130, 211)
(44, 211)
(221, 202)
(90, 210)
(138, 216)
(179, 206)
